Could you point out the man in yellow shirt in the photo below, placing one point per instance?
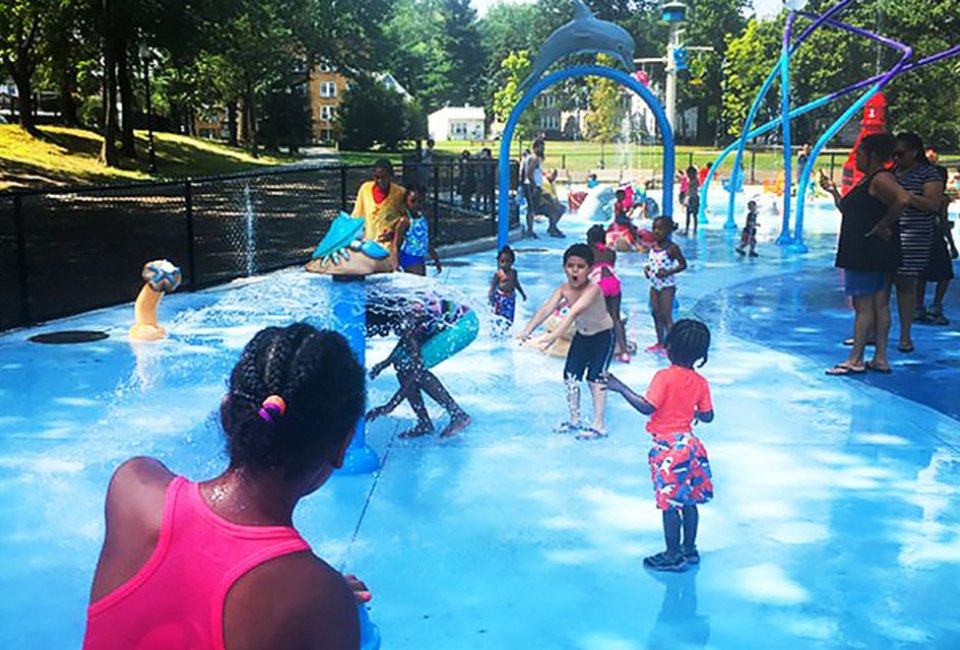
(380, 204)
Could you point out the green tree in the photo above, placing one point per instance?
(464, 47)
(605, 113)
(24, 25)
(373, 115)
(748, 61)
(709, 23)
(516, 67)
(926, 101)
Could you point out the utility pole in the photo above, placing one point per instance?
(674, 13)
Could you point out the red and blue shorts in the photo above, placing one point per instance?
(680, 470)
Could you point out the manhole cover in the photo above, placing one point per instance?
(69, 336)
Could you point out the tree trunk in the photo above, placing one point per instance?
(68, 104)
(250, 102)
(108, 152)
(232, 122)
(244, 134)
(23, 78)
(127, 100)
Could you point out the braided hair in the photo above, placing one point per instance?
(321, 384)
(688, 342)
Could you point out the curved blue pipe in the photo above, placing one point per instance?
(503, 170)
(784, 237)
(735, 175)
(798, 246)
(740, 145)
(815, 104)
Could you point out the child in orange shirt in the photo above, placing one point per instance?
(679, 467)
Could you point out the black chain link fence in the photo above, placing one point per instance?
(67, 251)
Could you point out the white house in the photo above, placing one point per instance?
(457, 123)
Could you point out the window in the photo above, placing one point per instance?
(549, 121)
(458, 128)
(328, 89)
(328, 113)
(325, 67)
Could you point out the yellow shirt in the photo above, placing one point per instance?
(548, 188)
(378, 218)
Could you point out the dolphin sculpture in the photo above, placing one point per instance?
(585, 33)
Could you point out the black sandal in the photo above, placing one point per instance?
(663, 561)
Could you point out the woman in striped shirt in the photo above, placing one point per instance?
(922, 182)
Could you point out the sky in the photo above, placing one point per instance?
(763, 7)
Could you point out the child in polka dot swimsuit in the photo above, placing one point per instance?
(664, 261)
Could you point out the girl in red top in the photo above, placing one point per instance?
(679, 467)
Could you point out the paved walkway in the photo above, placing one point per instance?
(835, 521)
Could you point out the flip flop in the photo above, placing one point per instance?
(872, 367)
(906, 349)
(843, 369)
(623, 357)
(591, 434)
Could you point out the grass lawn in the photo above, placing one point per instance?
(63, 156)
(584, 156)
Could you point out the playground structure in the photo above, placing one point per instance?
(780, 71)
(564, 41)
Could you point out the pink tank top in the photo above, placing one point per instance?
(176, 599)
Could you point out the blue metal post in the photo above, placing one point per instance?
(669, 165)
(784, 238)
(350, 313)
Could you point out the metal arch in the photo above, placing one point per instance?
(503, 170)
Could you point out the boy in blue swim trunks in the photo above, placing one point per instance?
(593, 344)
(504, 288)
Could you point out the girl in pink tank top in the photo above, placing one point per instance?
(218, 564)
(603, 274)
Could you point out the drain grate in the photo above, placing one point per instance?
(531, 250)
(69, 337)
(454, 263)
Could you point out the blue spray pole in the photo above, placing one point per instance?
(784, 238)
(350, 312)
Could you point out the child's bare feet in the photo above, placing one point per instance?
(458, 422)
(421, 429)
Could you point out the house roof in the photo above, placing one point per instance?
(460, 113)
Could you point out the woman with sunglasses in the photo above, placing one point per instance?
(925, 187)
(868, 249)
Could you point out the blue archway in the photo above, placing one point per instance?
(503, 200)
